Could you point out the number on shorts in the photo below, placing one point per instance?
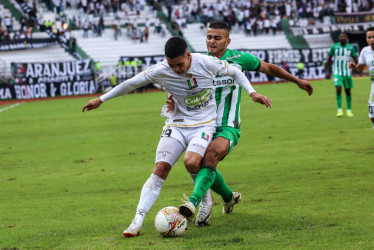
(166, 132)
(371, 110)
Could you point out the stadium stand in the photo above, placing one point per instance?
(195, 33)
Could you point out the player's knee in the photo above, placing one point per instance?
(192, 165)
(211, 158)
(162, 169)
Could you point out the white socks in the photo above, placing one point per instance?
(150, 192)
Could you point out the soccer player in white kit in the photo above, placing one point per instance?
(189, 78)
(367, 58)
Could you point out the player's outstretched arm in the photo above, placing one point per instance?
(356, 67)
(275, 70)
(256, 97)
(92, 104)
(305, 85)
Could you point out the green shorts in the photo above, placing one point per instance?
(345, 81)
(229, 133)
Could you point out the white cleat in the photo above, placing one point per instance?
(229, 206)
(187, 209)
(205, 210)
(133, 230)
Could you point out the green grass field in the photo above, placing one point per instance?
(72, 180)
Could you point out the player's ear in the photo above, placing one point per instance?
(228, 40)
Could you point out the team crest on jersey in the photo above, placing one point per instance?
(192, 83)
(205, 136)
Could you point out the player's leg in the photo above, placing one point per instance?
(216, 151)
(348, 85)
(168, 152)
(199, 139)
(371, 105)
(338, 85)
(224, 141)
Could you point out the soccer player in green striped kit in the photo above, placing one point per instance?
(342, 53)
(227, 134)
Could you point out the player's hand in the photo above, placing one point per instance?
(92, 104)
(305, 85)
(170, 103)
(256, 97)
(328, 75)
(351, 65)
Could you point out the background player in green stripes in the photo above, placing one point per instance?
(228, 123)
(342, 52)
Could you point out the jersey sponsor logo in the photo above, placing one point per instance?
(232, 57)
(223, 81)
(205, 136)
(178, 120)
(192, 84)
(198, 99)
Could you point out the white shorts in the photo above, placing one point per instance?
(175, 140)
(371, 102)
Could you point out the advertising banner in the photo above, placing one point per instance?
(41, 80)
(313, 60)
(19, 44)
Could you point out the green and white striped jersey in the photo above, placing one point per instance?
(228, 93)
(342, 57)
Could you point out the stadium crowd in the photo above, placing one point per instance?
(252, 17)
(7, 32)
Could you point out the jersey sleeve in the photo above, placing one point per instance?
(152, 74)
(331, 52)
(249, 62)
(216, 65)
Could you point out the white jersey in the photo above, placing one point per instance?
(193, 92)
(367, 57)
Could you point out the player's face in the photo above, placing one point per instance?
(180, 64)
(217, 41)
(370, 39)
(343, 38)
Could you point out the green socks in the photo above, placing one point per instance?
(203, 181)
(220, 187)
(339, 100)
(349, 101)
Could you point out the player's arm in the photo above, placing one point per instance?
(328, 67)
(243, 81)
(355, 59)
(275, 70)
(358, 67)
(121, 89)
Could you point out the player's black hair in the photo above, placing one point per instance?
(343, 32)
(219, 25)
(370, 29)
(175, 46)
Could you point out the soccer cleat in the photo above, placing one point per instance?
(229, 206)
(187, 209)
(133, 230)
(205, 210)
(349, 113)
(339, 113)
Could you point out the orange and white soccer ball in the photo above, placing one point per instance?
(169, 222)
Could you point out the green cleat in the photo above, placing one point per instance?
(349, 113)
(340, 113)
